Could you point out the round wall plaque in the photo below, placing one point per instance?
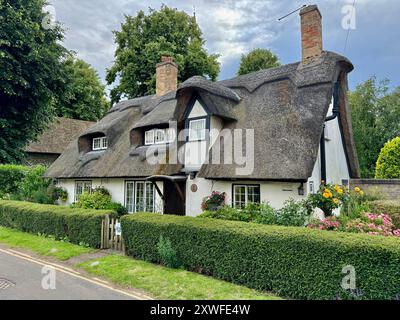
(194, 188)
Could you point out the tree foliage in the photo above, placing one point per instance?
(256, 60)
(141, 42)
(83, 96)
(30, 74)
(388, 164)
(375, 112)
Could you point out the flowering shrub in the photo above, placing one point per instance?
(214, 202)
(330, 224)
(369, 223)
(329, 197)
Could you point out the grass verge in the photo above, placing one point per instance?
(41, 245)
(168, 284)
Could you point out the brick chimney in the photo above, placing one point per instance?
(166, 76)
(311, 33)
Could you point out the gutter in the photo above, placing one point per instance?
(335, 114)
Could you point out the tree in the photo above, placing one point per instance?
(83, 96)
(256, 60)
(142, 41)
(388, 164)
(375, 111)
(30, 74)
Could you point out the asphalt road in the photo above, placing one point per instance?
(23, 278)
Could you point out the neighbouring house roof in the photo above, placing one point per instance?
(58, 136)
(286, 106)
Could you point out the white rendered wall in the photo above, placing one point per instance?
(276, 193)
(115, 186)
(336, 163)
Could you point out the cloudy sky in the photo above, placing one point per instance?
(234, 27)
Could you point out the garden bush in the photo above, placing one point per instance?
(77, 225)
(10, 178)
(99, 199)
(293, 262)
(27, 184)
(388, 164)
(292, 214)
(389, 207)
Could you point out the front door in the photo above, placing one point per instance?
(174, 197)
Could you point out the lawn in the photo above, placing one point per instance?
(41, 245)
(168, 284)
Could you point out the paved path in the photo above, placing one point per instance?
(22, 278)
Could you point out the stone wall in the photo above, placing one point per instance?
(389, 189)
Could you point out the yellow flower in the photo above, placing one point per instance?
(335, 201)
(357, 189)
(340, 191)
(362, 193)
(326, 195)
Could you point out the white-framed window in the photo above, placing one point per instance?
(100, 143)
(139, 196)
(149, 138)
(159, 136)
(197, 130)
(245, 194)
(81, 187)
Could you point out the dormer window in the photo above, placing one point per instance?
(100, 144)
(197, 130)
(159, 136)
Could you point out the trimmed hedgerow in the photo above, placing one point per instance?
(389, 207)
(293, 262)
(79, 226)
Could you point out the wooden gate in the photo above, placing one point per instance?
(111, 236)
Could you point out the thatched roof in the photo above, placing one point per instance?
(58, 136)
(286, 106)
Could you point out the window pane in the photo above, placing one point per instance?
(160, 136)
(129, 201)
(197, 130)
(140, 197)
(81, 187)
(253, 194)
(149, 138)
(149, 197)
(240, 197)
(105, 143)
(96, 144)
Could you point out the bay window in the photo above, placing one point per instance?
(139, 196)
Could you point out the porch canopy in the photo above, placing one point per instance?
(174, 179)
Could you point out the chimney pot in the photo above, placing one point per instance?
(311, 33)
(166, 76)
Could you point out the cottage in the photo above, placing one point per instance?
(52, 142)
(263, 137)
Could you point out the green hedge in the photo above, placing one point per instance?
(11, 177)
(78, 225)
(293, 262)
(390, 207)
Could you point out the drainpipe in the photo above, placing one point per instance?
(335, 114)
